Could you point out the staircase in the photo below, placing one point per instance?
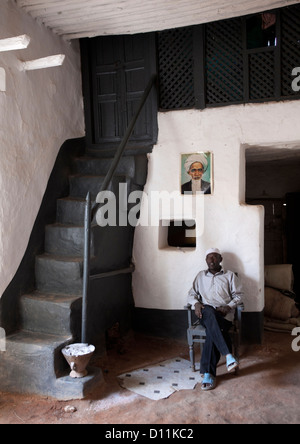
(51, 315)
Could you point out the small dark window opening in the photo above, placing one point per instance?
(182, 233)
(261, 30)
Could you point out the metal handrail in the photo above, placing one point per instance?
(86, 265)
(90, 212)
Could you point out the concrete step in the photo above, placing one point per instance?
(67, 388)
(51, 313)
(58, 274)
(70, 211)
(80, 185)
(33, 363)
(51, 316)
(66, 240)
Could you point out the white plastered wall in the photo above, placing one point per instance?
(39, 111)
(163, 276)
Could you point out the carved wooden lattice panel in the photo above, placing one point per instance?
(224, 62)
(261, 75)
(290, 46)
(176, 79)
(219, 68)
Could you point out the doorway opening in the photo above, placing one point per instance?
(273, 180)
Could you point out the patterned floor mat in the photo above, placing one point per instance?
(161, 380)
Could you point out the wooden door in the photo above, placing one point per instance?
(119, 70)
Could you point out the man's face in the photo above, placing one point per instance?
(196, 170)
(213, 261)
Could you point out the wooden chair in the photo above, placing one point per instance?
(196, 333)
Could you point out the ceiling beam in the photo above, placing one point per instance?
(88, 18)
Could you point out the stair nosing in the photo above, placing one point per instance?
(37, 334)
(42, 296)
(62, 225)
(95, 175)
(60, 258)
(73, 198)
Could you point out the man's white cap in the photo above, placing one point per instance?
(213, 250)
(197, 157)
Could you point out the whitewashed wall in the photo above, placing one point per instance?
(39, 111)
(163, 276)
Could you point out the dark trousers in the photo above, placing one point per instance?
(217, 340)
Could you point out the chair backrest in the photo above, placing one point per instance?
(188, 307)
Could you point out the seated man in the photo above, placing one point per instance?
(215, 295)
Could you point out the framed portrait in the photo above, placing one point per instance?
(196, 173)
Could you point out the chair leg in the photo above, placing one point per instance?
(192, 357)
(236, 344)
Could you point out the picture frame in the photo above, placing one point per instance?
(196, 173)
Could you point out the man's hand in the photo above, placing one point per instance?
(198, 309)
(224, 310)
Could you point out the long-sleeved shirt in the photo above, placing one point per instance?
(222, 288)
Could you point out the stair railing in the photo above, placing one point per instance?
(90, 212)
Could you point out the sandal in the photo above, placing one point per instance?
(231, 363)
(208, 382)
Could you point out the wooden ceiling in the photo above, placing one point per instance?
(89, 18)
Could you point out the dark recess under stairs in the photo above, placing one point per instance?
(51, 315)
